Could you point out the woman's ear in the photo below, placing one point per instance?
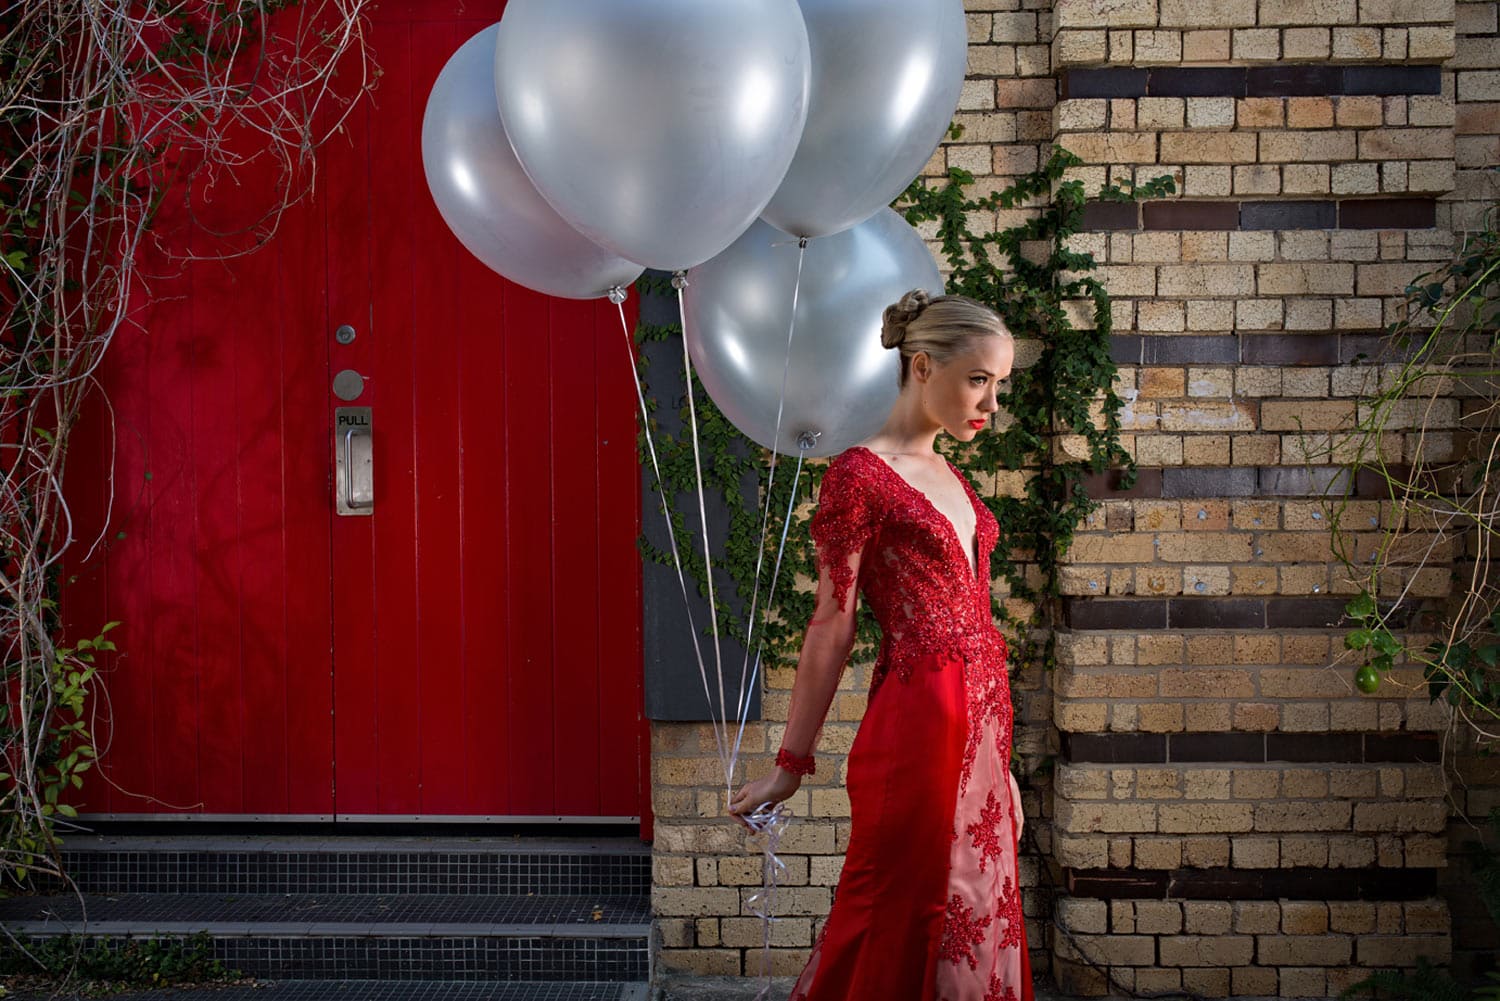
(921, 366)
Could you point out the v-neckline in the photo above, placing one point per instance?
(972, 563)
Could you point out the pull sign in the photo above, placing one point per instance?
(354, 461)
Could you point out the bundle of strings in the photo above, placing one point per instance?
(768, 819)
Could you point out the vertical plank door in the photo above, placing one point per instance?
(472, 648)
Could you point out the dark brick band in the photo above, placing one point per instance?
(1251, 748)
(1216, 613)
(1193, 482)
(1221, 216)
(1254, 81)
(1312, 348)
(1372, 883)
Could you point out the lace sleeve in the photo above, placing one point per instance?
(843, 524)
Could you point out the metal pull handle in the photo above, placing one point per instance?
(359, 483)
(354, 459)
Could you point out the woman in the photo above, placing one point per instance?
(928, 905)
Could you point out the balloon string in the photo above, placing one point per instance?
(770, 820)
(679, 282)
(743, 713)
(618, 298)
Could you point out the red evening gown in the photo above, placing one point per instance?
(928, 907)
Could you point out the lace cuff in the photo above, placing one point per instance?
(794, 764)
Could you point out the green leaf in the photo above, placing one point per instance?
(1362, 606)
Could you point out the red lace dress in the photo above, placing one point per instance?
(928, 906)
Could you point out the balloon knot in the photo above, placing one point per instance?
(616, 295)
(679, 280)
(808, 440)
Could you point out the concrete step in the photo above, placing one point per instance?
(263, 863)
(384, 990)
(452, 909)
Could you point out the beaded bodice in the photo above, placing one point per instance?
(913, 570)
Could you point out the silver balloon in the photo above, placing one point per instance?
(886, 76)
(842, 383)
(657, 128)
(486, 198)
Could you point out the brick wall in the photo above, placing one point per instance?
(1225, 812)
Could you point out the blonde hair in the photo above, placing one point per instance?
(942, 326)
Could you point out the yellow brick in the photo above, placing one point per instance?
(1387, 144)
(1129, 548)
(1105, 818)
(1304, 917)
(1206, 783)
(1306, 44)
(1206, 450)
(1309, 113)
(675, 902)
(1115, 13)
(749, 932)
(1071, 684)
(1257, 649)
(1117, 147)
(1303, 982)
(1158, 783)
(671, 870)
(675, 932)
(1260, 112)
(1157, 649)
(1081, 717)
(1296, 950)
(1082, 916)
(702, 962)
(1196, 818)
(1161, 717)
(1208, 547)
(1302, 817)
(1299, 147)
(1304, 783)
(1256, 853)
(1200, 683)
(1205, 950)
(1211, 147)
(1306, 278)
(1192, 14)
(1207, 717)
(1359, 111)
(1256, 716)
(1290, 415)
(1255, 783)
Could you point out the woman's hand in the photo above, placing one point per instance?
(772, 788)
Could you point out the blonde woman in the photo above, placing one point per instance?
(928, 906)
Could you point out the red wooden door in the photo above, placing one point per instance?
(472, 647)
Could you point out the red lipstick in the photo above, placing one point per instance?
(978, 425)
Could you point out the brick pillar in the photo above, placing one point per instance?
(1231, 815)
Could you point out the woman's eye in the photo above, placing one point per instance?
(978, 380)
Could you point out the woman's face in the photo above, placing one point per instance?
(960, 393)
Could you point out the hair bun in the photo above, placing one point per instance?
(896, 317)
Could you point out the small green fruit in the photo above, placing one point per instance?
(1367, 680)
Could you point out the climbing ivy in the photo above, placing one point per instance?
(1062, 414)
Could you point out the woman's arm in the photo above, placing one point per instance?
(825, 648)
